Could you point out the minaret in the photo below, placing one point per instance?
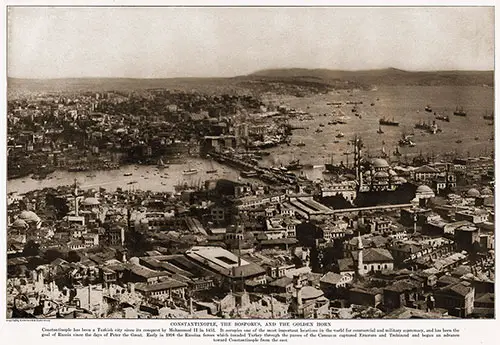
(360, 269)
(298, 293)
(75, 193)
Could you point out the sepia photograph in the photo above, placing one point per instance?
(250, 162)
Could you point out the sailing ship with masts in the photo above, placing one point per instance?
(459, 111)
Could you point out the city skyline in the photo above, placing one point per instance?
(46, 43)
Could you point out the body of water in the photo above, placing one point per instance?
(141, 178)
(403, 104)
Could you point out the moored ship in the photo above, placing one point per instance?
(459, 111)
(386, 122)
(443, 118)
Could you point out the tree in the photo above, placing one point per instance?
(31, 248)
(60, 205)
(34, 262)
(73, 256)
(52, 254)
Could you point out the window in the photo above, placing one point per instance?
(385, 266)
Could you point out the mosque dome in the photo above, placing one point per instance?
(486, 191)
(309, 292)
(423, 189)
(90, 202)
(381, 174)
(29, 217)
(19, 224)
(380, 163)
(134, 260)
(473, 193)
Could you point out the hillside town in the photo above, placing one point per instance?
(377, 238)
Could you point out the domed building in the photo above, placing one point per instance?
(423, 194)
(90, 202)
(308, 301)
(379, 177)
(473, 193)
(19, 224)
(486, 191)
(380, 164)
(31, 218)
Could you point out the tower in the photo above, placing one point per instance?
(298, 293)
(358, 144)
(360, 270)
(75, 193)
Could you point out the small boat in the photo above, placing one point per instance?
(294, 165)
(249, 173)
(90, 175)
(321, 125)
(190, 171)
(319, 130)
(458, 141)
(340, 135)
(301, 144)
(380, 131)
(443, 118)
(161, 165)
(428, 109)
(488, 117)
(127, 174)
(212, 170)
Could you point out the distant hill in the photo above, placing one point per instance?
(388, 76)
(292, 81)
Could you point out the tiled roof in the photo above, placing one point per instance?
(374, 255)
(282, 282)
(167, 284)
(331, 278)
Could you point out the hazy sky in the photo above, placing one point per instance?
(189, 42)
